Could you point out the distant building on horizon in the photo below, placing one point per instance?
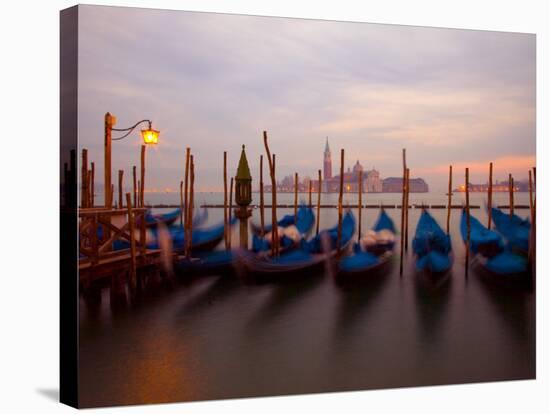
(372, 183)
(327, 163)
(498, 187)
(395, 185)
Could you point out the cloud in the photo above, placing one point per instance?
(214, 82)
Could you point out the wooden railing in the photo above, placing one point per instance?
(94, 246)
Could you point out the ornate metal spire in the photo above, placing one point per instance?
(243, 171)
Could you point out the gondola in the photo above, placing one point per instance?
(372, 253)
(304, 222)
(483, 241)
(152, 220)
(514, 229)
(202, 240)
(307, 259)
(432, 246)
(289, 234)
(490, 252)
(217, 262)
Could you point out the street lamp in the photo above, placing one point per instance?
(150, 137)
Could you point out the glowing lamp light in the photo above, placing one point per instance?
(150, 136)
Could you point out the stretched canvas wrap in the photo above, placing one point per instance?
(257, 206)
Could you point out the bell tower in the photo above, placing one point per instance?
(327, 162)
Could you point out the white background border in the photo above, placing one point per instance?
(29, 287)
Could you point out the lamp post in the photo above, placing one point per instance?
(243, 197)
(150, 137)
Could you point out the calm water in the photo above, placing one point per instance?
(214, 337)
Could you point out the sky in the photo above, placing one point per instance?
(213, 82)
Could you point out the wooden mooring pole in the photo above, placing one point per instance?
(295, 198)
(340, 201)
(142, 189)
(490, 197)
(533, 232)
(467, 259)
(120, 189)
(359, 204)
(181, 203)
(109, 122)
(189, 238)
(131, 224)
(186, 187)
(318, 219)
(274, 227)
(230, 213)
(89, 184)
(407, 182)
(402, 232)
(225, 222)
(262, 212)
(310, 189)
(511, 191)
(449, 196)
(134, 185)
(405, 201)
(84, 180)
(92, 184)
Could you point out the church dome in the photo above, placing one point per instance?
(357, 167)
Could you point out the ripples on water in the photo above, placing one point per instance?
(214, 337)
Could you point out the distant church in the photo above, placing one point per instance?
(331, 184)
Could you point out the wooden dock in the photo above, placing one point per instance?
(99, 229)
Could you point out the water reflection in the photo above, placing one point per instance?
(283, 295)
(432, 293)
(354, 298)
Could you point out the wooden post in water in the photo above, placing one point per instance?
(120, 181)
(532, 233)
(186, 188)
(405, 209)
(109, 122)
(92, 184)
(262, 217)
(112, 191)
(467, 263)
(226, 242)
(84, 180)
(142, 189)
(138, 193)
(229, 214)
(449, 197)
(531, 206)
(320, 182)
(181, 203)
(407, 187)
(274, 228)
(89, 175)
(131, 224)
(511, 191)
(134, 185)
(295, 198)
(490, 197)
(189, 238)
(340, 200)
(310, 188)
(359, 203)
(402, 232)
